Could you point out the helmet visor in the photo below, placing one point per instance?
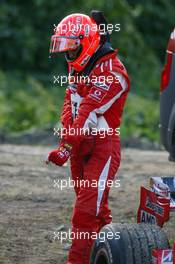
(62, 44)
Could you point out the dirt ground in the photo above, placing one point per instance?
(32, 207)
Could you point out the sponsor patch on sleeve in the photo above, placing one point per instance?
(97, 94)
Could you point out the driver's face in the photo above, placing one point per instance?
(73, 54)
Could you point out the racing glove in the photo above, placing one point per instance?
(59, 156)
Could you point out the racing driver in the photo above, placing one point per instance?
(94, 104)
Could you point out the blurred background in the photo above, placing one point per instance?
(30, 103)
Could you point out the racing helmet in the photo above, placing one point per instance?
(78, 36)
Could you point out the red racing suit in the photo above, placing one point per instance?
(95, 159)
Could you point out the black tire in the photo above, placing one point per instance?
(171, 135)
(133, 247)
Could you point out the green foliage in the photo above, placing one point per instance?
(141, 118)
(155, 21)
(27, 104)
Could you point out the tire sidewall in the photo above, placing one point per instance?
(111, 249)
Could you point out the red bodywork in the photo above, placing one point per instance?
(167, 68)
(163, 256)
(155, 209)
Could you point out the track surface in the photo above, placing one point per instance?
(32, 206)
